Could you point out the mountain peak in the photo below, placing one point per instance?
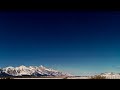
(22, 66)
(41, 66)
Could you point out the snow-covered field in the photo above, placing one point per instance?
(57, 78)
(78, 77)
(37, 78)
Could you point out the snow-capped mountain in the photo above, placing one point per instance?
(111, 75)
(30, 70)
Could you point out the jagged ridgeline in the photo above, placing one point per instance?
(30, 71)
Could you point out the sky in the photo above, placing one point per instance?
(73, 42)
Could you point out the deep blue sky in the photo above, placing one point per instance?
(75, 42)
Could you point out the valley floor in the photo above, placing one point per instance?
(73, 77)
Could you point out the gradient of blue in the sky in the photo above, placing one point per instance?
(75, 42)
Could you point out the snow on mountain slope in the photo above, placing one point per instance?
(31, 70)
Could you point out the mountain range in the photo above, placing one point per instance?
(30, 71)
